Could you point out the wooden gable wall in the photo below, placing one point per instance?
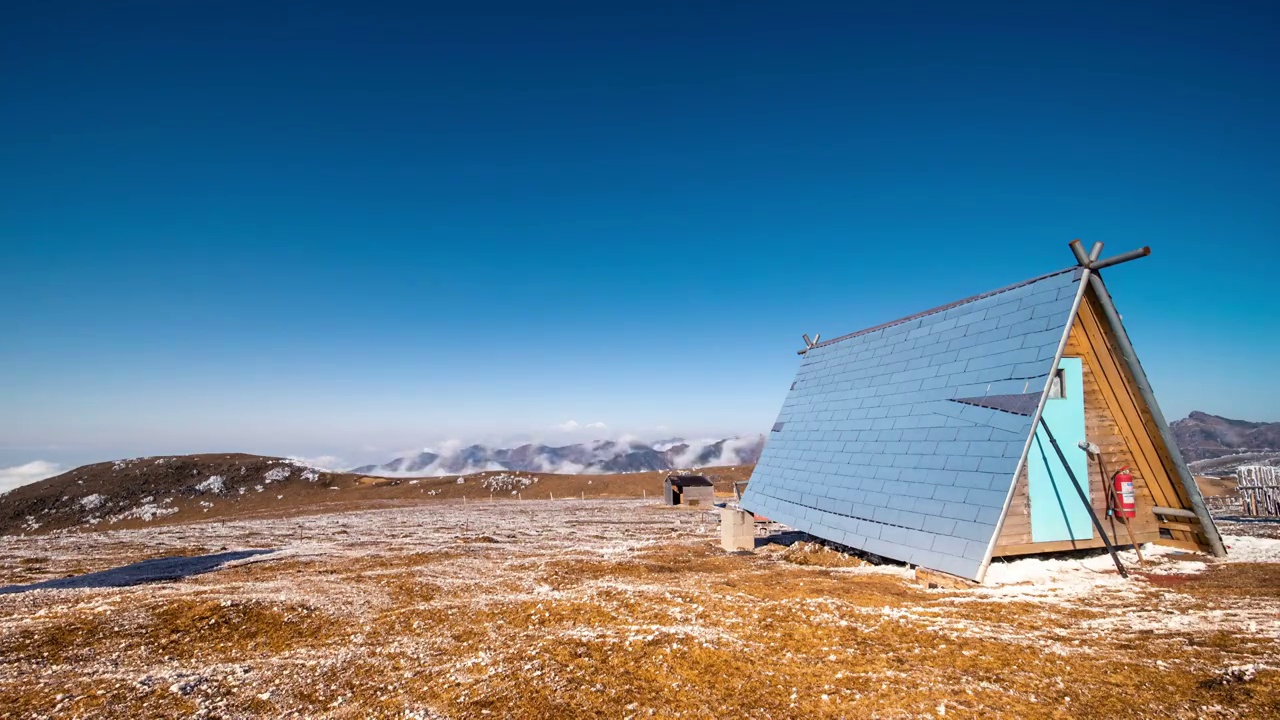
(1119, 423)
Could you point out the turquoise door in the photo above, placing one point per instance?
(1056, 510)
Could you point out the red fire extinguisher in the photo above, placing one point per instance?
(1123, 484)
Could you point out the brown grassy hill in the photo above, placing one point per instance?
(1202, 436)
(195, 488)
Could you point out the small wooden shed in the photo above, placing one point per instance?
(692, 490)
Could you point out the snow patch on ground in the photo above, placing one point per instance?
(503, 482)
(146, 512)
(214, 484)
(1070, 578)
(92, 502)
(1244, 548)
(1073, 578)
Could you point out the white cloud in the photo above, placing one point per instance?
(574, 426)
(331, 463)
(12, 477)
(731, 451)
(444, 449)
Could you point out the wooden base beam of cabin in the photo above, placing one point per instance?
(1094, 544)
(1183, 545)
(1068, 545)
(938, 579)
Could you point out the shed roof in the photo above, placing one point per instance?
(904, 439)
(689, 481)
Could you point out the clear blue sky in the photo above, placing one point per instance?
(354, 228)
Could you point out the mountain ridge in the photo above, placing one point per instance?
(596, 457)
(1202, 436)
(145, 491)
(1215, 445)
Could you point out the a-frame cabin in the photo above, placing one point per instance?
(927, 439)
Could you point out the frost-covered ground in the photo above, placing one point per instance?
(609, 609)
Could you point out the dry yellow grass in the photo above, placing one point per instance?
(647, 621)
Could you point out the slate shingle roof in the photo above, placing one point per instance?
(884, 443)
(686, 481)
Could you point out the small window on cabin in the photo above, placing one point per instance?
(1058, 385)
(777, 427)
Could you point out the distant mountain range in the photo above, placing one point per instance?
(124, 493)
(1218, 445)
(600, 457)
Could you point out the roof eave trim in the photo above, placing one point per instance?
(1035, 420)
(940, 308)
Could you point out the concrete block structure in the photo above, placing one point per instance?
(737, 529)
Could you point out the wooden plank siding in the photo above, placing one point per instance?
(1114, 422)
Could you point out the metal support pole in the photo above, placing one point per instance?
(1122, 257)
(1084, 499)
(1081, 256)
(1090, 259)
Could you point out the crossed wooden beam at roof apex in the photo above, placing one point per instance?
(1090, 261)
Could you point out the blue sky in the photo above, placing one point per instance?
(358, 228)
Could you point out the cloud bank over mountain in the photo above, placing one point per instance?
(597, 457)
(12, 477)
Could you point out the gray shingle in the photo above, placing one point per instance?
(864, 434)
